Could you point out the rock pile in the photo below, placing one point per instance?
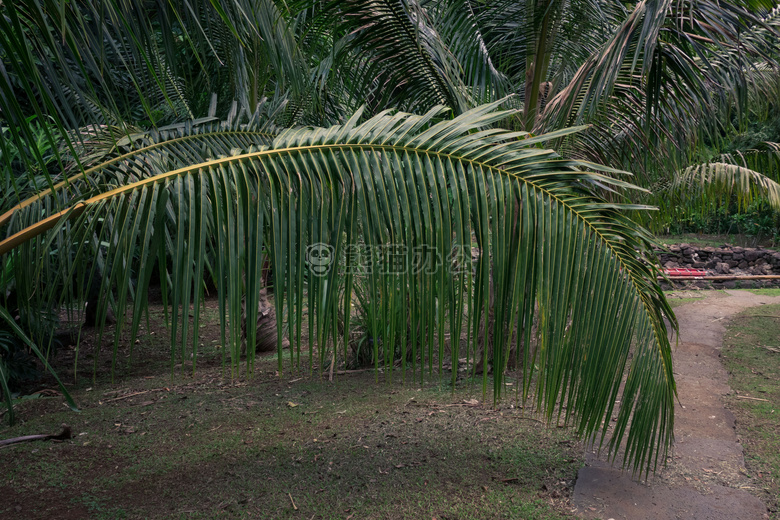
(723, 260)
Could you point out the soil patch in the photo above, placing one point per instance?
(705, 476)
(153, 444)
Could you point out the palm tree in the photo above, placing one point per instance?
(561, 272)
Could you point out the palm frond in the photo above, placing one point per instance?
(394, 53)
(152, 152)
(8, 320)
(741, 177)
(558, 268)
(683, 70)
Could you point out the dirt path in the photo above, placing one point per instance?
(706, 475)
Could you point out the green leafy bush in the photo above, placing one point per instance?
(758, 220)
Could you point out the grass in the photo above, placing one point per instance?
(204, 446)
(754, 371)
(678, 298)
(766, 292)
(677, 302)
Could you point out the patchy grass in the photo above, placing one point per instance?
(677, 298)
(676, 302)
(751, 354)
(153, 445)
(766, 292)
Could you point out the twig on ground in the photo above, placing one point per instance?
(63, 435)
(752, 398)
(134, 394)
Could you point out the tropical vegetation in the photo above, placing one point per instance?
(193, 143)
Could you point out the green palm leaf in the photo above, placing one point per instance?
(393, 53)
(742, 177)
(8, 320)
(562, 272)
(129, 156)
(665, 83)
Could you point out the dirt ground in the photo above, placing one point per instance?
(705, 476)
(205, 445)
(157, 440)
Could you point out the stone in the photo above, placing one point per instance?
(722, 268)
(751, 255)
(743, 264)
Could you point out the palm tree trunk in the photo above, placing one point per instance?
(536, 69)
(265, 326)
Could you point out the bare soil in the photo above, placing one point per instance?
(159, 441)
(705, 476)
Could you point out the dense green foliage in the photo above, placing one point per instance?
(134, 176)
(758, 221)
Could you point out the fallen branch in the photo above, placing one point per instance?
(133, 395)
(63, 435)
(752, 398)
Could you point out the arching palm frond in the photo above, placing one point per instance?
(465, 27)
(125, 156)
(394, 53)
(742, 177)
(682, 69)
(558, 265)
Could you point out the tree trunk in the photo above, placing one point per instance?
(265, 326)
